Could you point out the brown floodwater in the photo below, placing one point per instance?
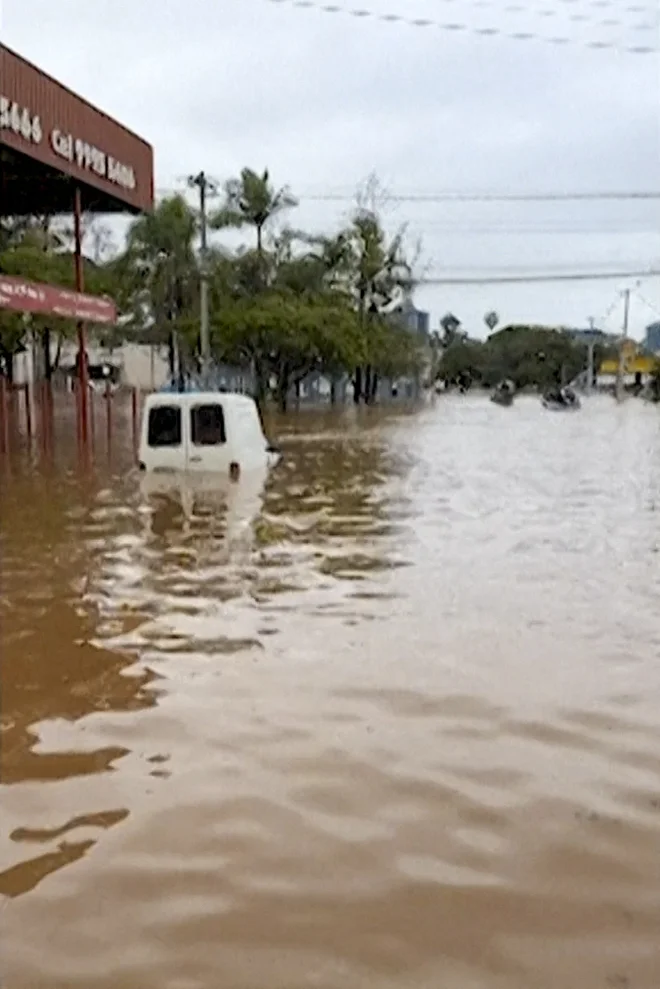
(391, 721)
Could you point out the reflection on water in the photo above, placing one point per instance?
(388, 717)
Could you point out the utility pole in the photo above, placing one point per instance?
(624, 335)
(206, 187)
(590, 358)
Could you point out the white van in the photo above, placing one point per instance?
(203, 431)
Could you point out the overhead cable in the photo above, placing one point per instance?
(587, 276)
(458, 27)
(583, 11)
(488, 197)
(650, 305)
(334, 196)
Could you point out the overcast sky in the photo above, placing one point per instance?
(323, 100)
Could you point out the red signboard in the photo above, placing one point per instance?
(36, 297)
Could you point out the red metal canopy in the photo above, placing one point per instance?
(51, 139)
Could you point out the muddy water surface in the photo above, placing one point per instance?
(392, 721)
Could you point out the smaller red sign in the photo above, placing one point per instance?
(37, 297)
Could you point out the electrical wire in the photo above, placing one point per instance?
(459, 27)
(594, 4)
(531, 279)
(553, 11)
(645, 195)
(341, 194)
(487, 197)
(610, 309)
(448, 230)
(654, 309)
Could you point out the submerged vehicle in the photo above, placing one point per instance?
(172, 500)
(503, 394)
(561, 400)
(203, 431)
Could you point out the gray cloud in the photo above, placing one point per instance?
(324, 100)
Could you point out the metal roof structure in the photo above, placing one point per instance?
(53, 141)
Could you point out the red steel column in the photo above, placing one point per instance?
(83, 394)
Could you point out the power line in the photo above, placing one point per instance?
(458, 27)
(578, 17)
(610, 309)
(455, 230)
(332, 196)
(654, 309)
(591, 276)
(594, 4)
(488, 197)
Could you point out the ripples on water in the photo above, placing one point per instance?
(392, 721)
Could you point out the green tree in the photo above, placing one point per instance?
(394, 351)
(375, 272)
(157, 274)
(532, 356)
(462, 362)
(290, 305)
(252, 201)
(285, 336)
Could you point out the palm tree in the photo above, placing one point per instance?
(157, 274)
(380, 276)
(251, 201)
(491, 319)
(451, 330)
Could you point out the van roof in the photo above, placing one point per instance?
(189, 397)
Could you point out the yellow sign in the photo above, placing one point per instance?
(632, 364)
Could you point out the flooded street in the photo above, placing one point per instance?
(392, 721)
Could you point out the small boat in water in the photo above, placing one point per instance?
(504, 393)
(561, 400)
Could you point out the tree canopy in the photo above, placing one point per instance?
(531, 356)
(286, 303)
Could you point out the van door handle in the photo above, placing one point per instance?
(195, 460)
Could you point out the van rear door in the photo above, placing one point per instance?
(207, 436)
(164, 436)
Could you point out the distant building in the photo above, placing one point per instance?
(418, 322)
(652, 338)
(414, 319)
(586, 335)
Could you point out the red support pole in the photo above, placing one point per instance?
(41, 408)
(4, 416)
(92, 412)
(75, 391)
(83, 394)
(134, 413)
(47, 414)
(28, 410)
(108, 409)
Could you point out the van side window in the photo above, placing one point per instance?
(207, 425)
(164, 426)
